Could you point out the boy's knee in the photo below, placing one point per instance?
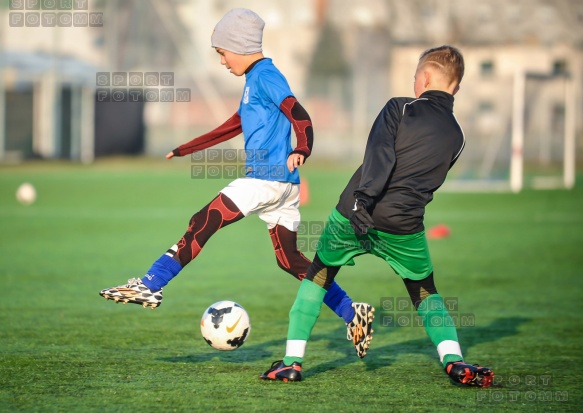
(421, 289)
(321, 274)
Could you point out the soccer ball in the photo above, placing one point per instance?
(225, 325)
(26, 194)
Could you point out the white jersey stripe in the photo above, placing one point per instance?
(409, 103)
(463, 143)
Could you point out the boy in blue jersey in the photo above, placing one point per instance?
(270, 188)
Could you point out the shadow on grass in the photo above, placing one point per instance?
(266, 350)
(377, 357)
(245, 353)
(386, 355)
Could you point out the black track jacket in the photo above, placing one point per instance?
(412, 145)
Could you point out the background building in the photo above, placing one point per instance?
(342, 58)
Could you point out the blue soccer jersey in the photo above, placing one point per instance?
(266, 129)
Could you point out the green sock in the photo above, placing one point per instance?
(440, 328)
(450, 358)
(303, 314)
(287, 360)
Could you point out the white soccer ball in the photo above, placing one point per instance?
(26, 194)
(225, 325)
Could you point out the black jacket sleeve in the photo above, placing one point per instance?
(379, 156)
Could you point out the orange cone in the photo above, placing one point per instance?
(438, 232)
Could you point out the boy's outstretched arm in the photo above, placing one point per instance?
(302, 124)
(231, 128)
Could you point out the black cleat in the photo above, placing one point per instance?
(469, 375)
(280, 371)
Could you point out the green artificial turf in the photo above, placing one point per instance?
(512, 266)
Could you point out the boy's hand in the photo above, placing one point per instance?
(360, 219)
(294, 160)
(170, 155)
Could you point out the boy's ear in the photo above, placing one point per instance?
(427, 78)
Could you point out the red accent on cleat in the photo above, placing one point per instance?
(279, 371)
(470, 375)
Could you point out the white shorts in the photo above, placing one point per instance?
(276, 203)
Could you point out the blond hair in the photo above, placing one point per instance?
(447, 59)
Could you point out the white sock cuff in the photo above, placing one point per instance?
(295, 348)
(174, 249)
(448, 347)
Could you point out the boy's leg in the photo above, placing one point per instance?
(220, 212)
(292, 261)
(303, 315)
(338, 246)
(306, 308)
(441, 329)
(409, 257)
(438, 324)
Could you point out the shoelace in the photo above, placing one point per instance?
(349, 330)
(357, 337)
(132, 282)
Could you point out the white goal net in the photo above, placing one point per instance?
(525, 138)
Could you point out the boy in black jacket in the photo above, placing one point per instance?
(411, 147)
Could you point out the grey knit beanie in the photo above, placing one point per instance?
(239, 31)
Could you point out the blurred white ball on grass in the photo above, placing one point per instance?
(26, 194)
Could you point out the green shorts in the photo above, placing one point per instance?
(408, 255)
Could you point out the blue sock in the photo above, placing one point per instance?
(162, 271)
(339, 302)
